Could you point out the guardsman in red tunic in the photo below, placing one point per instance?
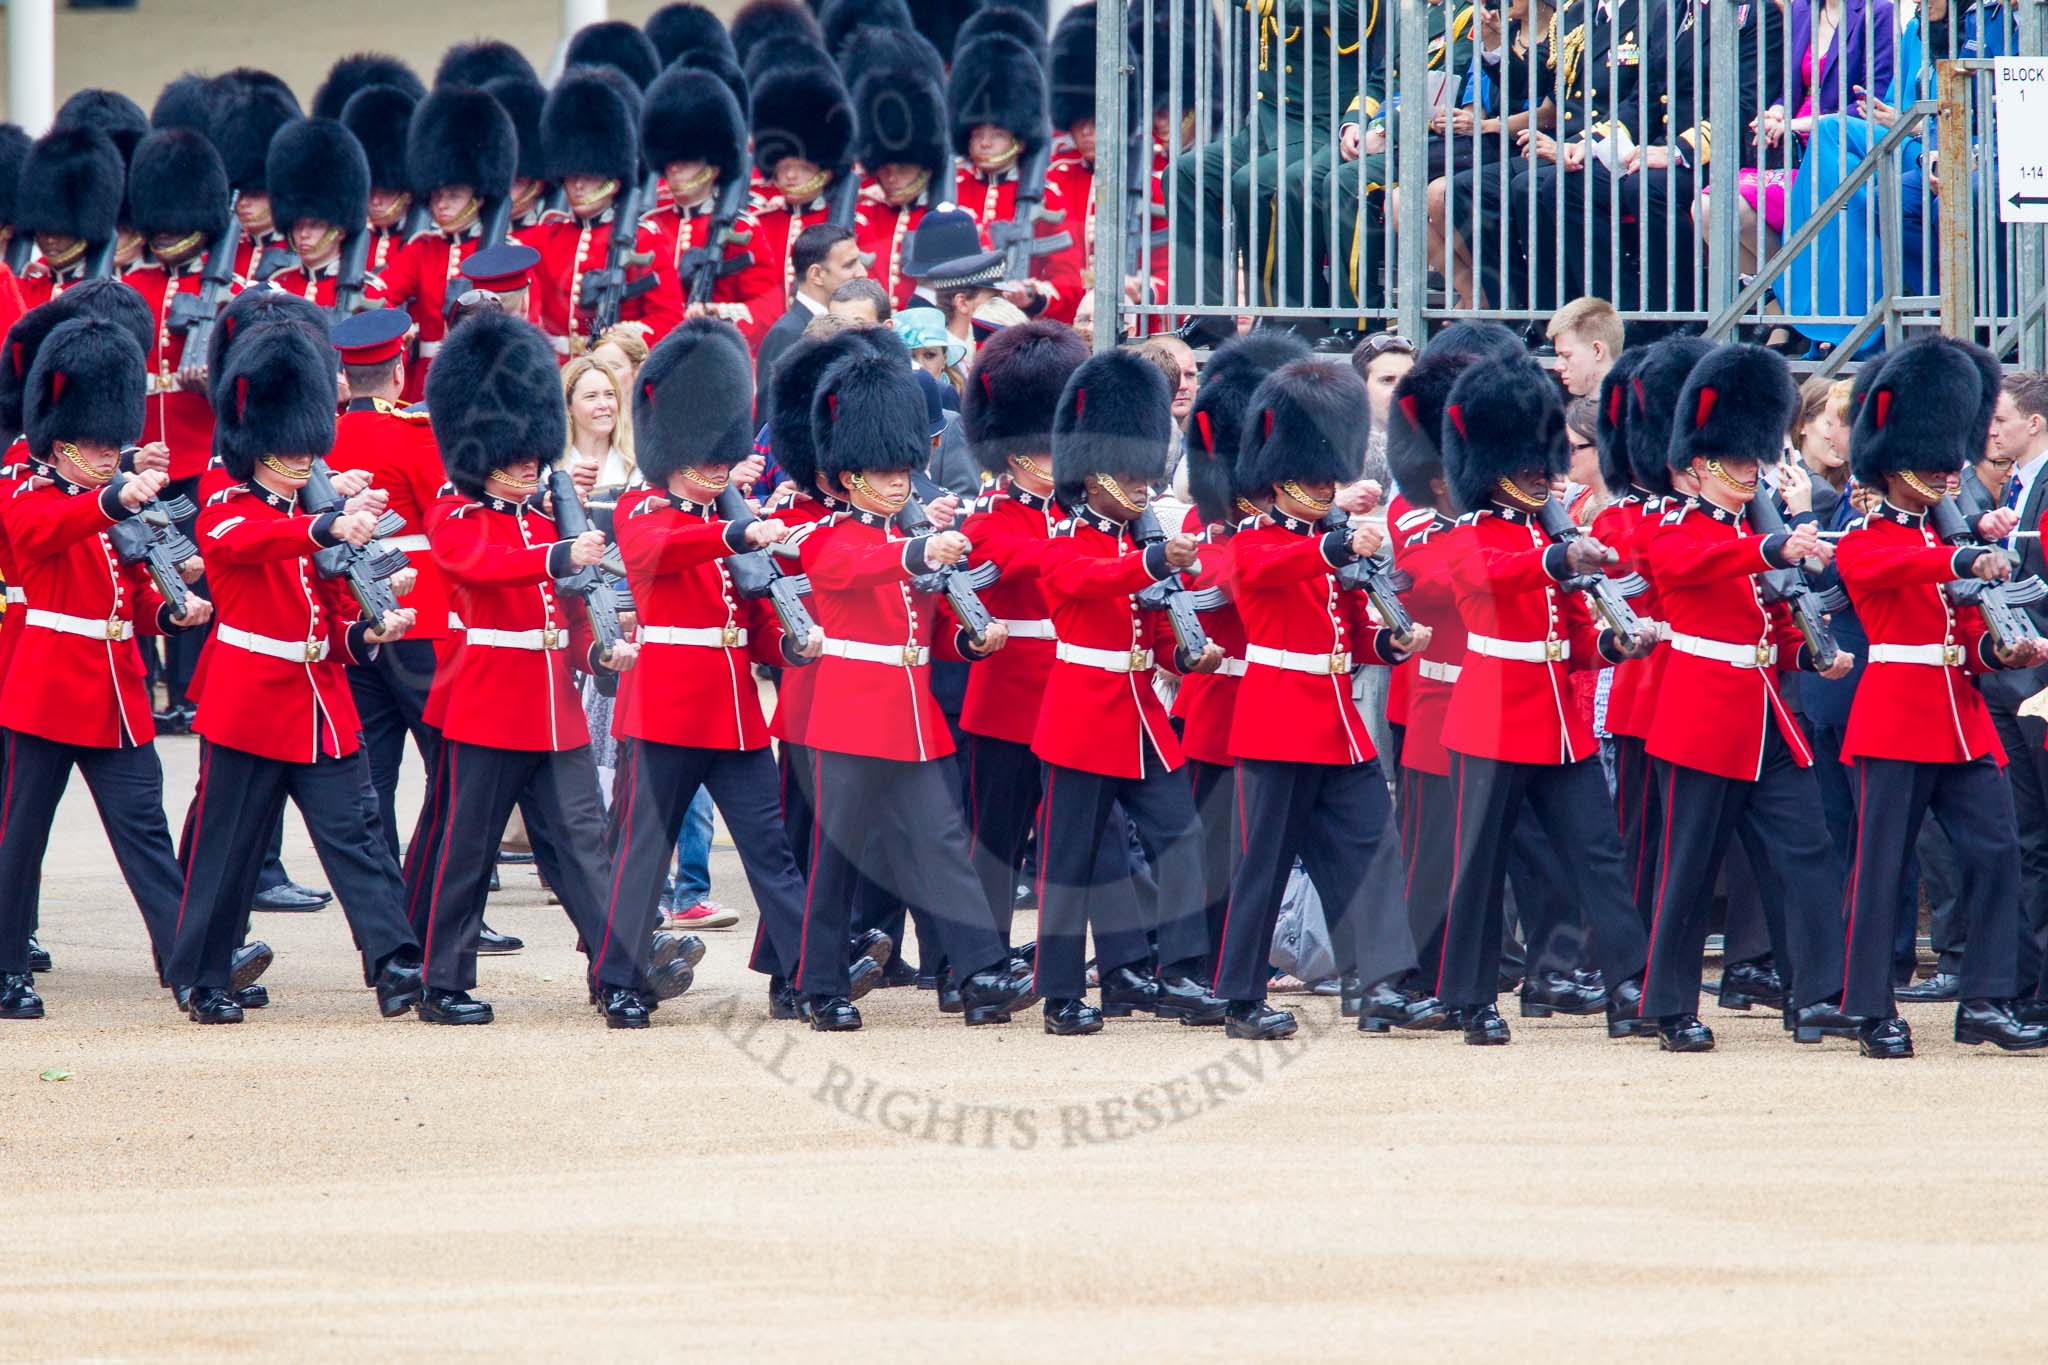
(997, 96)
(1102, 732)
(68, 200)
(877, 741)
(276, 720)
(691, 706)
(593, 151)
(1520, 749)
(1309, 784)
(902, 145)
(803, 137)
(1728, 749)
(1206, 703)
(460, 154)
(694, 133)
(320, 193)
(379, 115)
(1919, 736)
(1007, 416)
(250, 108)
(511, 722)
(524, 98)
(74, 695)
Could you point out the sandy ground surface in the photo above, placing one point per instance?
(321, 1184)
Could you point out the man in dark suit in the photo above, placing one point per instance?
(824, 258)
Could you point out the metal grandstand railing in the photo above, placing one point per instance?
(1726, 184)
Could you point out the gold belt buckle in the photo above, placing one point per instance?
(550, 637)
(1139, 663)
(1763, 656)
(1553, 651)
(730, 636)
(910, 656)
(1340, 662)
(113, 627)
(312, 651)
(1952, 655)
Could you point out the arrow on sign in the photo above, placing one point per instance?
(2019, 200)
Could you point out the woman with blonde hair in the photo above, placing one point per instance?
(622, 350)
(600, 449)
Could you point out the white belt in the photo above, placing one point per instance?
(1436, 672)
(1935, 656)
(710, 637)
(1521, 651)
(16, 597)
(1294, 661)
(1029, 630)
(1108, 660)
(901, 656)
(91, 627)
(455, 622)
(409, 544)
(1722, 652)
(554, 637)
(291, 651)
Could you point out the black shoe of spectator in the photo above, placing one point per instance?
(1209, 332)
(1343, 341)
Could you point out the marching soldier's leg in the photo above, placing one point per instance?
(794, 768)
(742, 785)
(1975, 809)
(1891, 799)
(1081, 869)
(1431, 855)
(1351, 853)
(1215, 795)
(1002, 796)
(236, 803)
(127, 786)
(843, 790)
(1486, 796)
(1702, 809)
(563, 791)
(1638, 806)
(1273, 805)
(1163, 811)
(1780, 816)
(37, 773)
(423, 849)
(341, 816)
(1572, 802)
(480, 786)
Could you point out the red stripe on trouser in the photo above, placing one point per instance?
(803, 943)
(1044, 844)
(199, 811)
(1664, 873)
(441, 867)
(1443, 950)
(1855, 875)
(611, 908)
(1230, 901)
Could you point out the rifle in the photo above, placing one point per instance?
(495, 219)
(959, 583)
(756, 574)
(351, 275)
(416, 220)
(19, 248)
(2000, 604)
(1608, 597)
(604, 291)
(1183, 605)
(274, 259)
(704, 266)
(152, 539)
(193, 315)
(593, 584)
(1378, 579)
(842, 203)
(1016, 236)
(1809, 607)
(368, 568)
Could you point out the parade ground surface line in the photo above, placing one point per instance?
(320, 1184)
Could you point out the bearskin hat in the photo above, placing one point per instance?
(684, 27)
(1415, 422)
(997, 80)
(728, 72)
(587, 128)
(317, 170)
(472, 64)
(1991, 377)
(461, 136)
(693, 402)
(187, 102)
(72, 183)
(250, 113)
(495, 398)
(276, 397)
(114, 114)
(1483, 337)
(1019, 375)
(1008, 20)
(1115, 417)
(14, 145)
(1610, 423)
(797, 374)
(1501, 418)
(1737, 402)
(802, 111)
(1919, 413)
(360, 71)
(254, 308)
(616, 44)
(1070, 70)
(760, 24)
(1307, 421)
(868, 413)
(873, 51)
(798, 55)
(109, 300)
(379, 116)
(838, 19)
(903, 121)
(24, 339)
(1216, 422)
(690, 115)
(1654, 388)
(178, 185)
(85, 385)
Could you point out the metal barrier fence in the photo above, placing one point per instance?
(1727, 166)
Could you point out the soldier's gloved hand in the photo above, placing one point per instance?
(1588, 555)
(1366, 539)
(198, 611)
(157, 456)
(355, 528)
(1996, 524)
(2025, 654)
(1182, 552)
(583, 474)
(587, 549)
(1803, 543)
(1993, 567)
(350, 482)
(404, 581)
(946, 548)
(760, 533)
(1840, 668)
(620, 656)
(371, 500)
(944, 511)
(393, 627)
(814, 646)
(1416, 640)
(994, 639)
(1361, 497)
(193, 569)
(141, 487)
(1211, 660)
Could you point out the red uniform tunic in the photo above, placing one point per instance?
(692, 684)
(281, 633)
(398, 449)
(1301, 633)
(569, 248)
(1715, 714)
(384, 244)
(250, 251)
(993, 200)
(880, 230)
(317, 285)
(1010, 528)
(793, 693)
(11, 477)
(673, 233)
(873, 692)
(1625, 526)
(1925, 712)
(1100, 713)
(1424, 541)
(39, 284)
(181, 418)
(76, 676)
(12, 306)
(777, 225)
(1519, 709)
(505, 683)
(1206, 703)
